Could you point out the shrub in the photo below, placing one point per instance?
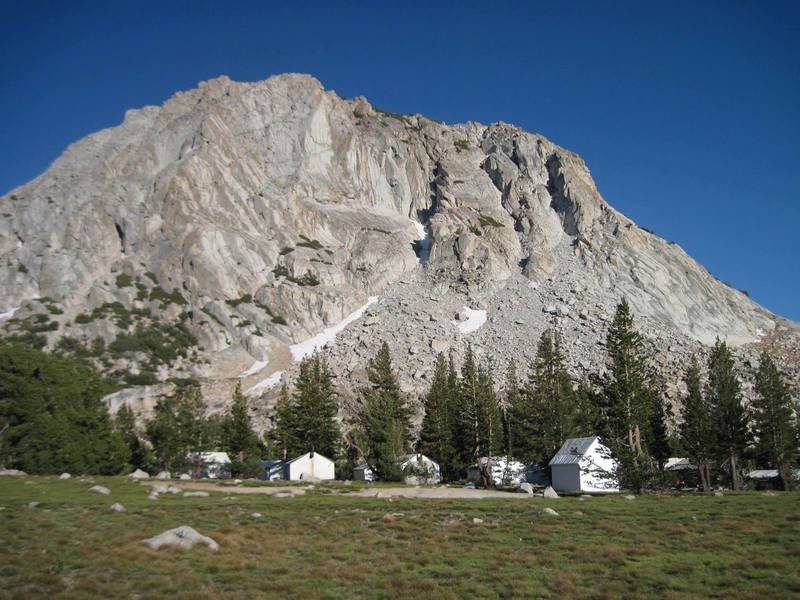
(308, 243)
(286, 250)
(124, 280)
(174, 297)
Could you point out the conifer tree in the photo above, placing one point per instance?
(774, 424)
(385, 419)
(435, 438)
(658, 439)
(512, 398)
(728, 415)
(125, 424)
(178, 429)
(239, 439)
(313, 424)
(478, 430)
(52, 416)
(695, 431)
(284, 434)
(628, 400)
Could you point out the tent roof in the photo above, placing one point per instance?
(316, 454)
(763, 474)
(573, 450)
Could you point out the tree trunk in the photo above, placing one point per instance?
(707, 471)
(703, 481)
(785, 474)
(734, 473)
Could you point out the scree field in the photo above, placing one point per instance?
(329, 543)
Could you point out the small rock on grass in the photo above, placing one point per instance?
(718, 494)
(195, 494)
(11, 473)
(182, 537)
(185, 477)
(64, 476)
(163, 475)
(139, 474)
(629, 497)
(550, 493)
(100, 489)
(33, 504)
(116, 507)
(549, 512)
(255, 515)
(476, 521)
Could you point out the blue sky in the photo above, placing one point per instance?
(687, 113)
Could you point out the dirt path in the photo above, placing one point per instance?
(438, 492)
(236, 489)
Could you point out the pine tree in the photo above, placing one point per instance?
(728, 415)
(478, 430)
(125, 424)
(179, 430)
(696, 433)
(314, 423)
(512, 398)
(658, 441)
(52, 416)
(239, 439)
(284, 434)
(385, 419)
(435, 438)
(628, 399)
(774, 421)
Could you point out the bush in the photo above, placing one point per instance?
(159, 295)
(124, 280)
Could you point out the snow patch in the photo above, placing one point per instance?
(256, 367)
(8, 314)
(424, 241)
(264, 384)
(303, 349)
(475, 319)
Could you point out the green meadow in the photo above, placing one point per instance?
(331, 544)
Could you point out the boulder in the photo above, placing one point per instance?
(476, 521)
(64, 476)
(11, 473)
(195, 494)
(629, 497)
(159, 488)
(139, 474)
(163, 475)
(525, 488)
(100, 489)
(549, 493)
(185, 477)
(549, 512)
(182, 537)
(174, 489)
(116, 507)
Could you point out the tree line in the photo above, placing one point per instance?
(52, 417)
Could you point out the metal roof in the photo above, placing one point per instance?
(573, 450)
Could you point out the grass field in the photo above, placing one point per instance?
(328, 544)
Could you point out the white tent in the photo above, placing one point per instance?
(417, 468)
(308, 466)
(504, 471)
(584, 465)
(212, 465)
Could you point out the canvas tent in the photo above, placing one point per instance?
(505, 472)
(309, 465)
(211, 465)
(272, 470)
(418, 468)
(583, 465)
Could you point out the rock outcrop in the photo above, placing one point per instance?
(211, 237)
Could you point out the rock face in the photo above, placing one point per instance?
(238, 220)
